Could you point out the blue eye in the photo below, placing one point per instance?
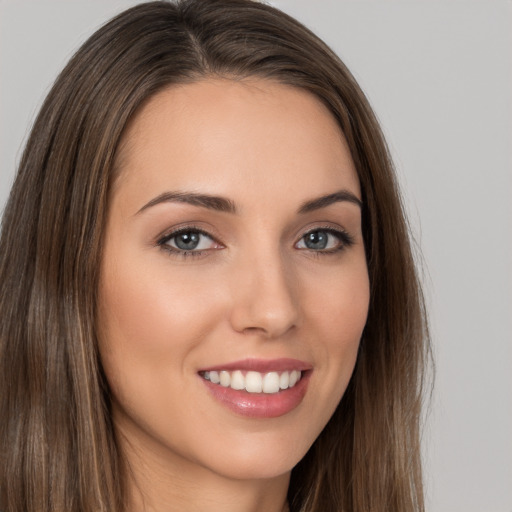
(186, 241)
(317, 240)
(326, 240)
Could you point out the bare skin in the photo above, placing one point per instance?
(278, 272)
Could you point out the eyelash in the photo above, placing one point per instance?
(344, 238)
(181, 253)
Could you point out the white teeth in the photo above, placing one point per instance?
(294, 377)
(237, 380)
(254, 382)
(271, 382)
(284, 380)
(225, 379)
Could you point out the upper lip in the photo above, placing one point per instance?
(262, 365)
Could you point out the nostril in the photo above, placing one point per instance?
(250, 330)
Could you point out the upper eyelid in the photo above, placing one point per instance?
(345, 237)
(330, 229)
(325, 227)
(168, 235)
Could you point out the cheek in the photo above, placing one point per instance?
(150, 323)
(148, 310)
(338, 311)
(338, 300)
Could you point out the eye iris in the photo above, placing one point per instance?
(316, 240)
(187, 241)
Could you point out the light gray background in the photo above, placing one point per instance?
(439, 75)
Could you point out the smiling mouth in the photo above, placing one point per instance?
(259, 388)
(254, 382)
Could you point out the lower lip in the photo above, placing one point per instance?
(260, 405)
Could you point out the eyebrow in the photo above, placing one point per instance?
(217, 203)
(223, 204)
(324, 201)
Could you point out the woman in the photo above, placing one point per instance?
(209, 297)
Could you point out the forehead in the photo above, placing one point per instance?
(227, 135)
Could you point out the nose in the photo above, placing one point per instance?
(264, 297)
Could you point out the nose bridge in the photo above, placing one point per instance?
(264, 295)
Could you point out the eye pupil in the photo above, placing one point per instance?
(316, 240)
(187, 241)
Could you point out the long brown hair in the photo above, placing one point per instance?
(58, 449)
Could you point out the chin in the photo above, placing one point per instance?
(253, 469)
(258, 458)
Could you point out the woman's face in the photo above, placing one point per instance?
(233, 251)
